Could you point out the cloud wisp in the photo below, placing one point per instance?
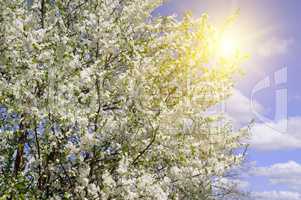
(276, 195)
(274, 46)
(286, 174)
(265, 136)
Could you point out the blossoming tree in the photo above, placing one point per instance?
(100, 100)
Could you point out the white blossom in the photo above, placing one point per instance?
(111, 102)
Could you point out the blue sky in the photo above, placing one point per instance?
(272, 29)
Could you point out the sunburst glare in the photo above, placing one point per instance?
(228, 45)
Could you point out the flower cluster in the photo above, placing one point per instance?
(105, 101)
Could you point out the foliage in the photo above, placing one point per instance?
(103, 101)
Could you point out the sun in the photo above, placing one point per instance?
(228, 45)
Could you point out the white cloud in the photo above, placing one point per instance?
(288, 174)
(276, 195)
(281, 135)
(274, 46)
(268, 136)
(239, 108)
(241, 185)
